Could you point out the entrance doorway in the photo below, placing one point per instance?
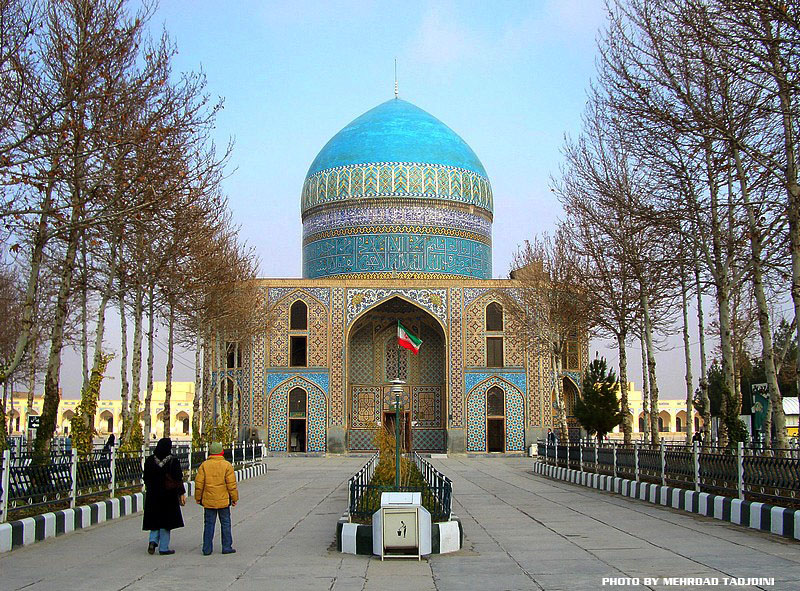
(405, 427)
(495, 420)
(495, 435)
(297, 419)
(297, 435)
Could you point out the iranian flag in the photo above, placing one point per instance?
(407, 340)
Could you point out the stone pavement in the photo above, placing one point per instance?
(522, 532)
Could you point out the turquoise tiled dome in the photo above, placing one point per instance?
(396, 131)
(397, 193)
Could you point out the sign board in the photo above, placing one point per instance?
(759, 405)
(34, 421)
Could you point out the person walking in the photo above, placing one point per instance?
(216, 490)
(164, 496)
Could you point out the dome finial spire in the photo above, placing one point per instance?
(396, 89)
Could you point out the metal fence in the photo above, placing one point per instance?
(30, 488)
(364, 498)
(753, 473)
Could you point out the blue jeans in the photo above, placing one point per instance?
(210, 517)
(160, 537)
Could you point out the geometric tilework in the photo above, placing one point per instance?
(365, 406)
(317, 333)
(361, 440)
(426, 406)
(345, 182)
(321, 293)
(428, 440)
(337, 355)
(475, 325)
(318, 378)
(456, 360)
(514, 414)
(316, 420)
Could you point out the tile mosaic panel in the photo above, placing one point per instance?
(361, 440)
(366, 406)
(361, 358)
(337, 411)
(515, 412)
(317, 332)
(392, 179)
(316, 422)
(456, 357)
(428, 440)
(432, 300)
(381, 254)
(475, 324)
(426, 406)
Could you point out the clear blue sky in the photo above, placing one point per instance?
(509, 77)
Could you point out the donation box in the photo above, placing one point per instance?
(402, 526)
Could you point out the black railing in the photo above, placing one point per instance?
(365, 498)
(27, 488)
(747, 472)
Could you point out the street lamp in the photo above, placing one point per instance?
(397, 389)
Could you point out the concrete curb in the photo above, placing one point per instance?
(356, 538)
(49, 525)
(777, 520)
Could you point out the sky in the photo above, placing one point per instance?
(509, 77)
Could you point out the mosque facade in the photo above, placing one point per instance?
(397, 213)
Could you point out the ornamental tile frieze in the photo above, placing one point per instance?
(432, 300)
(396, 179)
(387, 253)
(403, 214)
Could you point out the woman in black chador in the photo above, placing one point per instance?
(164, 496)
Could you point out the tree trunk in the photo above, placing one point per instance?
(168, 385)
(208, 403)
(703, 369)
(687, 353)
(788, 120)
(645, 392)
(768, 352)
(136, 361)
(34, 349)
(623, 389)
(123, 366)
(651, 368)
(148, 397)
(52, 394)
(198, 385)
(84, 315)
(561, 415)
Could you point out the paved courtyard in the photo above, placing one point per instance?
(522, 532)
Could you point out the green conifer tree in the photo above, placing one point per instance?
(598, 410)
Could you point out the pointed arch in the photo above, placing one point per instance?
(476, 410)
(278, 414)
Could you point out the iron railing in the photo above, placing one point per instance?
(29, 488)
(364, 498)
(747, 472)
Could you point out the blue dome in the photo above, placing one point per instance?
(397, 131)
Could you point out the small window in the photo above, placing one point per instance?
(494, 351)
(678, 425)
(297, 403)
(234, 355)
(185, 426)
(299, 346)
(298, 316)
(494, 402)
(494, 317)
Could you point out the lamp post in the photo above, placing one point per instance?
(397, 388)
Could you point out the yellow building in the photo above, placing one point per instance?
(671, 416)
(108, 417)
